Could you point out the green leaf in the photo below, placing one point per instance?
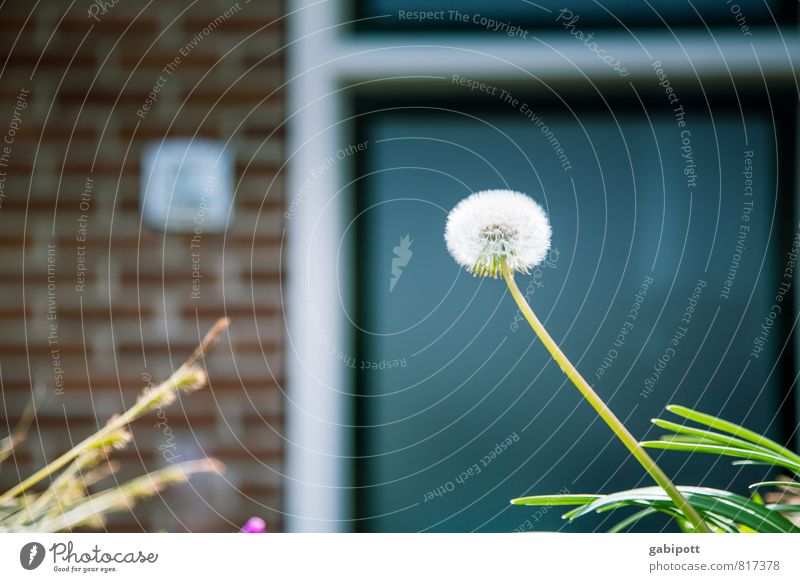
(734, 429)
(713, 502)
(793, 484)
(684, 438)
(555, 499)
(785, 507)
(705, 436)
(750, 462)
(629, 521)
(722, 524)
(747, 454)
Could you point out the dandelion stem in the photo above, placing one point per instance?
(602, 409)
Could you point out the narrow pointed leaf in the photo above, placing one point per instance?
(724, 504)
(630, 520)
(785, 507)
(747, 454)
(555, 500)
(792, 484)
(734, 429)
(706, 435)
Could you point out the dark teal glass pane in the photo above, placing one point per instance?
(640, 289)
(489, 15)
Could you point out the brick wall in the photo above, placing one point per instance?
(72, 84)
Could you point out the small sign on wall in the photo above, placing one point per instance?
(187, 185)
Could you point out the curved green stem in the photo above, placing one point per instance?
(602, 409)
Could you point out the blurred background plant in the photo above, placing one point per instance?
(70, 500)
(778, 511)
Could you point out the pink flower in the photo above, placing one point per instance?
(254, 525)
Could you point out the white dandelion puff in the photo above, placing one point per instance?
(493, 226)
(504, 231)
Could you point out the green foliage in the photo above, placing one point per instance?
(69, 501)
(724, 511)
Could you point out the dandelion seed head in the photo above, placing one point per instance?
(493, 226)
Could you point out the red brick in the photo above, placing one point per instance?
(123, 316)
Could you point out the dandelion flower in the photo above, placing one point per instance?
(491, 226)
(502, 232)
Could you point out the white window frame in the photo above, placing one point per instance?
(324, 58)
